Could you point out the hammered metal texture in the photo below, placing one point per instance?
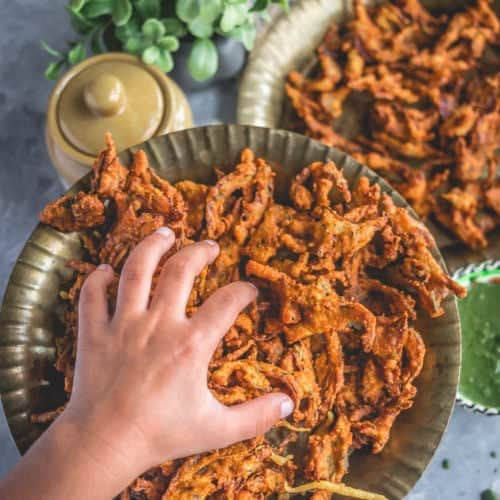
(28, 317)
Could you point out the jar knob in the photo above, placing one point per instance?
(105, 95)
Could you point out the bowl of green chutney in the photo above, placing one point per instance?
(479, 386)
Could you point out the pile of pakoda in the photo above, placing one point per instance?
(428, 89)
(342, 275)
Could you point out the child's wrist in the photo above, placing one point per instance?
(98, 453)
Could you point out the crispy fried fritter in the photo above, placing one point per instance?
(340, 273)
(429, 89)
(74, 212)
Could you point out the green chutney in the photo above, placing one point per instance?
(480, 318)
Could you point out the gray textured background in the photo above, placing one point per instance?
(27, 182)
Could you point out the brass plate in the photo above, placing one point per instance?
(28, 317)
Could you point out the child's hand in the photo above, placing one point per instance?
(140, 388)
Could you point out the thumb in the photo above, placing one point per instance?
(255, 417)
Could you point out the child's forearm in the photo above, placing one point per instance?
(67, 462)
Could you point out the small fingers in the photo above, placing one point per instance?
(178, 275)
(218, 313)
(93, 303)
(253, 418)
(135, 280)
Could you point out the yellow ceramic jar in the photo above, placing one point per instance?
(112, 92)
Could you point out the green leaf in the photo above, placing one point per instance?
(169, 43)
(53, 69)
(173, 26)
(97, 43)
(151, 54)
(203, 59)
(488, 495)
(234, 2)
(77, 53)
(122, 11)
(234, 15)
(165, 61)
(50, 50)
(187, 10)
(97, 8)
(129, 30)
(134, 45)
(211, 9)
(76, 5)
(80, 24)
(153, 29)
(200, 28)
(148, 8)
(260, 5)
(245, 34)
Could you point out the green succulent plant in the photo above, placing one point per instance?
(154, 29)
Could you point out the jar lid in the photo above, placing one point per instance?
(112, 92)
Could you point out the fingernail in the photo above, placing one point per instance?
(212, 243)
(255, 289)
(286, 407)
(165, 231)
(103, 267)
